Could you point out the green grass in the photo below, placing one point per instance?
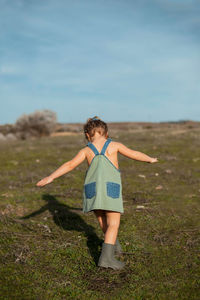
(49, 248)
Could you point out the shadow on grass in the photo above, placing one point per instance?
(65, 218)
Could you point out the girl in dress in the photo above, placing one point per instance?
(102, 192)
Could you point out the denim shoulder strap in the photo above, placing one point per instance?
(93, 148)
(105, 146)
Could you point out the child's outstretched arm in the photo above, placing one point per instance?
(65, 168)
(135, 154)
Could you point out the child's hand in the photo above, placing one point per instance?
(153, 160)
(45, 181)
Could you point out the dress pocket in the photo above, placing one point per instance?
(113, 189)
(90, 190)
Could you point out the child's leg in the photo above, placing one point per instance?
(113, 222)
(101, 217)
(107, 259)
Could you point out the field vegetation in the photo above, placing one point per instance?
(49, 248)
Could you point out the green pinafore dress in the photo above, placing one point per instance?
(102, 186)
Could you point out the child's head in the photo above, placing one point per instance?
(94, 125)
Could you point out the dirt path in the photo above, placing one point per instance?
(65, 133)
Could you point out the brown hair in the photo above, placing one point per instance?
(93, 125)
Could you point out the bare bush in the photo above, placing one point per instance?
(7, 128)
(37, 124)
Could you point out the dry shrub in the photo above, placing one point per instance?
(37, 124)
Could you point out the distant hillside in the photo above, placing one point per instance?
(10, 131)
(129, 126)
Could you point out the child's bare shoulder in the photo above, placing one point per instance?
(119, 147)
(116, 145)
(85, 149)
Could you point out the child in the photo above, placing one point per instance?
(102, 187)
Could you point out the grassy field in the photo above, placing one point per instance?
(49, 248)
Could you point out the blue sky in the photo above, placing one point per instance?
(123, 60)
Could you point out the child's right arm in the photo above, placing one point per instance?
(65, 168)
(135, 154)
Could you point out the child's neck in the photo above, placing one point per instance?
(97, 138)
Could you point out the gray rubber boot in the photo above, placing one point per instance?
(107, 259)
(118, 247)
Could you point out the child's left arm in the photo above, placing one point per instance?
(65, 168)
(135, 154)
